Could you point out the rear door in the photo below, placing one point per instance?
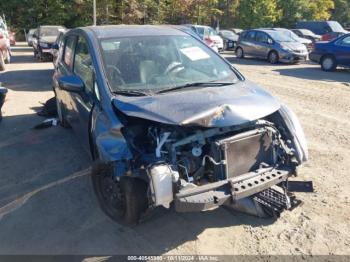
(248, 43)
(262, 44)
(342, 51)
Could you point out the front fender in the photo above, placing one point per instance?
(108, 139)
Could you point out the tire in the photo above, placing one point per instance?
(61, 114)
(273, 57)
(2, 62)
(40, 56)
(8, 57)
(328, 63)
(239, 52)
(125, 200)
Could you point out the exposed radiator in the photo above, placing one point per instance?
(243, 152)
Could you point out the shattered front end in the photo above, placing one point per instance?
(198, 168)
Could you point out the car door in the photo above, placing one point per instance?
(64, 67)
(82, 102)
(262, 44)
(342, 51)
(248, 43)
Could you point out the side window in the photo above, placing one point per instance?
(243, 35)
(83, 65)
(345, 41)
(68, 51)
(251, 36)
(261, 37)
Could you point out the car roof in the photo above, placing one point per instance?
(108, 31)
(52, 26)
(265, 30)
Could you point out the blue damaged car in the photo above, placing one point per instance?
(169, 122)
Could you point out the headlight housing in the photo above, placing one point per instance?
(286, 48)
(296, 132)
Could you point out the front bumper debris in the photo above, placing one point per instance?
(215, 194)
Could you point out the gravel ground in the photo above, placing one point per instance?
(47, 205)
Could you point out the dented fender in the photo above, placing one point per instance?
(110, 143)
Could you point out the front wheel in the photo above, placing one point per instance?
(328, 63)
(125, 200)
(273, 57)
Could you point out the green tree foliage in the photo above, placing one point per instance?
(25, 14)
(257, 13)
(341, 12)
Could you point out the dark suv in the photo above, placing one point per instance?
(327, 29)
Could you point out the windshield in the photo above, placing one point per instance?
(335, 26)
(290, 34)
(227, 33)
(155, 63)
(280, 36)
(50, 31)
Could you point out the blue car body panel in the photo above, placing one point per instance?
(340, 52)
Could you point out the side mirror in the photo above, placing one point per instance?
(71, 83)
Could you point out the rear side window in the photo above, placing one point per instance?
(243, 35)
(261, 37)
(251, 36)
(68, 51)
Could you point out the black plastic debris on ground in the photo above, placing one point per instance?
(300, 186)
(47, 123)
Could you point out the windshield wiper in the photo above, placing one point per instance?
(130, 93)
(206, 84)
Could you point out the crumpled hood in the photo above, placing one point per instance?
(209, 107)
(48, 39)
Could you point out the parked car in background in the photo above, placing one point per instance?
(12, 36)
(45, 37)
(273, 45)
(332, 54)
(305, 33)
(29, 36)
(307, 42)
(208, 35)
(230, 39)
(173, 123)
(237, 31)
(5, 56)
(327, 29)
(5, 53)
